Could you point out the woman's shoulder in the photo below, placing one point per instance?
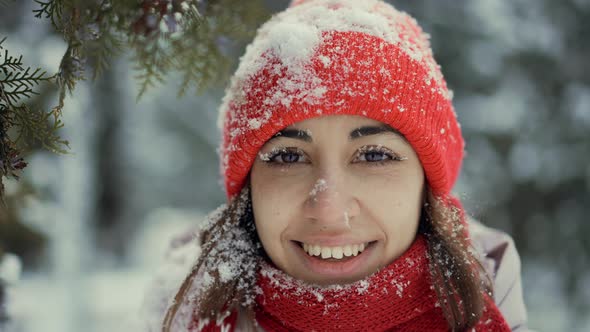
(499, 257)
(496, 247)
(176, 264)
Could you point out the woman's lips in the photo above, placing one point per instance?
(335, 268)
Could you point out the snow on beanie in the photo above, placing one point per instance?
(326, 57)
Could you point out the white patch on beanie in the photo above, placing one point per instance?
(292, 42)
(325, 60)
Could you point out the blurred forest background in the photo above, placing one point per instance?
(89, 228)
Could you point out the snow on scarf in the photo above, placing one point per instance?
(400, 297)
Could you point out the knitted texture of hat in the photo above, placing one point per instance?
(326, 57)
(397, 298)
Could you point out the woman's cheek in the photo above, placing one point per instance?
(380, 185)
(273, 203)
(285, 176)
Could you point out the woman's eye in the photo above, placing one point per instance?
(376, 155)
(284, 156)
(287, 157)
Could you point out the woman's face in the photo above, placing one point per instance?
(336, 198)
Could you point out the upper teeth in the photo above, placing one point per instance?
(334, 252)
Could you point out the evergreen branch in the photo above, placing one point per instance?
(11, 63)
(192, 39)
(25, 78)
(18, 93)
(52, 10)
(148, 77)
(47, 8)
(164, 36)
(71, 70)
(39, 127)
(21, 80)
(152, 63)
(201, 65)
(18, 82)
(10, 161)
(108, 46)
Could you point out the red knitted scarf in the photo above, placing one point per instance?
(397, 298)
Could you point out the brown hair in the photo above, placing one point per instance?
(458, 277)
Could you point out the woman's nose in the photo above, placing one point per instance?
(331, 204)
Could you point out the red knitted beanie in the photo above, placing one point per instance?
(326, 57)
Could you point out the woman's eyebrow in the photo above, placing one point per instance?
(372, 130)
(356, 133)
(293, 133)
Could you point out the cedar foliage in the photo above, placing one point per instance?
(184, 36)
(17, 84)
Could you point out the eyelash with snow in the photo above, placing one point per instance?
(270, 157)
(379, 149)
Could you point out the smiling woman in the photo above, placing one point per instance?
(340, 149)
(332, 184)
